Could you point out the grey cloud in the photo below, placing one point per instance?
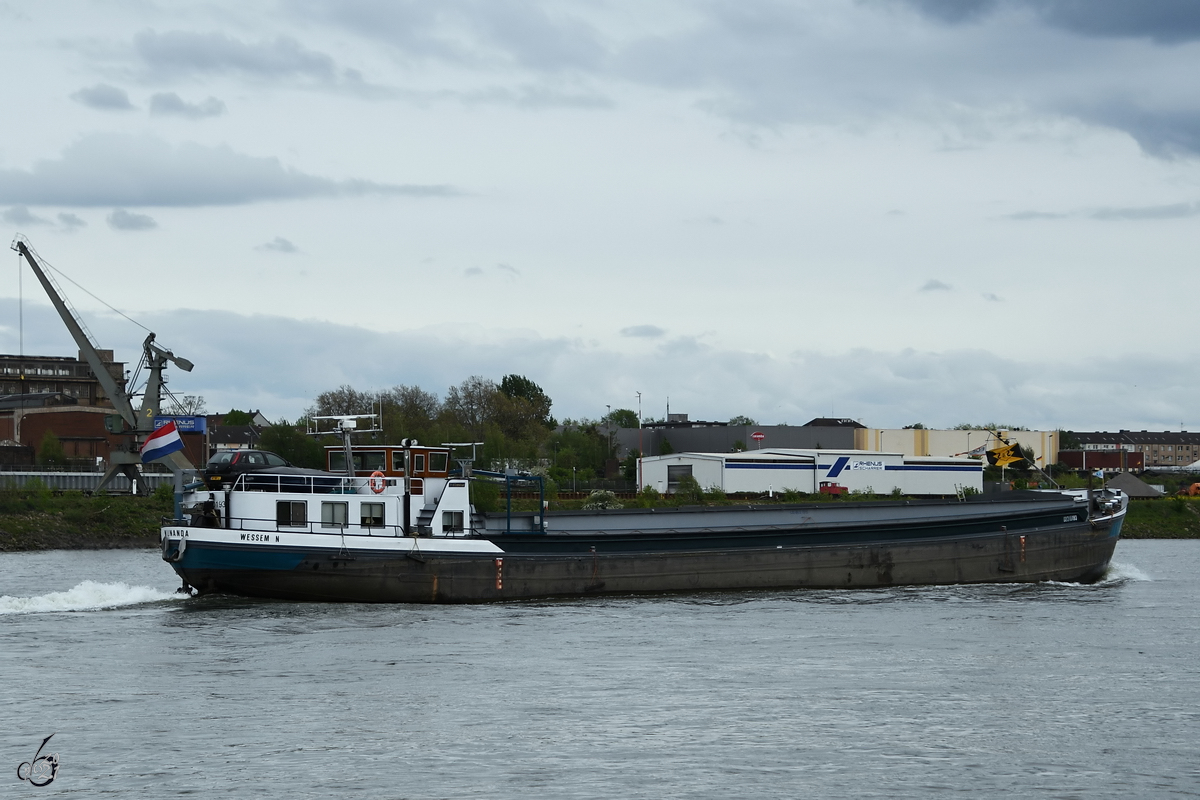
(643, 331)
(190, 53)
(71, 221)
(123, 220)
(533, 97)
(934, 285)
(1174, 211)
(1022, 216)
(293, 360)
(473, 272)
(1168, 21)
(508, 268)
(20, 215)
(769, 64)
(120, 170)
(104, 97)
(8, 12)
(955, 10)
(169, 103)
(187, 52)
(992, 297)
(1122, 213)
(279, 245)
(518, 33)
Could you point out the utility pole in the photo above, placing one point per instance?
(641, 452)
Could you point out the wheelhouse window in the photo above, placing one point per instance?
(291, 513)
(368, 461)
(372, 515)
(438, 461)
(333, 515)
(418, 462)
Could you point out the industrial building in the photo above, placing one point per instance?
(763, 471)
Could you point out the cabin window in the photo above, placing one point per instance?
(372, 515)
(676, 472)
(437, 462)
(291, 513)
(370, 461)
(333, 515)
(418, 462)
(397, 461)
(452, 521)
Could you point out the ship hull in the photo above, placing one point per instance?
(1020, 547)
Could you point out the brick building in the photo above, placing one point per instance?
(73, 377)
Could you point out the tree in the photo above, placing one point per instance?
(519, 419)
(1068, 441)
(472, 404)
(989, 426)
(741, 420)
(51, 451)
(410, 412)
(579, 445)
(342, 401)
(235, 417)
(629, 465)
(187, 406)
(916, 426)
(291, 443)
(518, 386)
(620, 418)
(665, 448)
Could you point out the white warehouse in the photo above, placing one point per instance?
(760, 471)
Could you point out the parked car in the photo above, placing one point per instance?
(278, 474)
(226, 465)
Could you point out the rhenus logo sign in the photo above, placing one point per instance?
(844, 463)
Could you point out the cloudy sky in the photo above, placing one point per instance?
(894, 210)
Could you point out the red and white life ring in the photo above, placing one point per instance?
(376, 482)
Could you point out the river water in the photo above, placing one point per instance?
(1050, 690)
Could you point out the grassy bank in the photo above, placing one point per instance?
(38, 519)
(1166, 518)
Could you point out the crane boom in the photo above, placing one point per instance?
(119, 400)
(140, 422)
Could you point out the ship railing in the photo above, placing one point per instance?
(298, 484)
(273, 525)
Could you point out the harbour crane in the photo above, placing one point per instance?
(140, 422)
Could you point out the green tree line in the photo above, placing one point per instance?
(511, 420)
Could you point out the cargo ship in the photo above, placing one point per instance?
(395, 524)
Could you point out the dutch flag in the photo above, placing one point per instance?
(162, 442)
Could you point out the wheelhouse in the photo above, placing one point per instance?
(426, 462)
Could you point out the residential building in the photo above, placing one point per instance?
(1158, 449)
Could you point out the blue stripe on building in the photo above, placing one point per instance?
(770, 466)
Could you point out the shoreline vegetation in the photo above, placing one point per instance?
(39, 519)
